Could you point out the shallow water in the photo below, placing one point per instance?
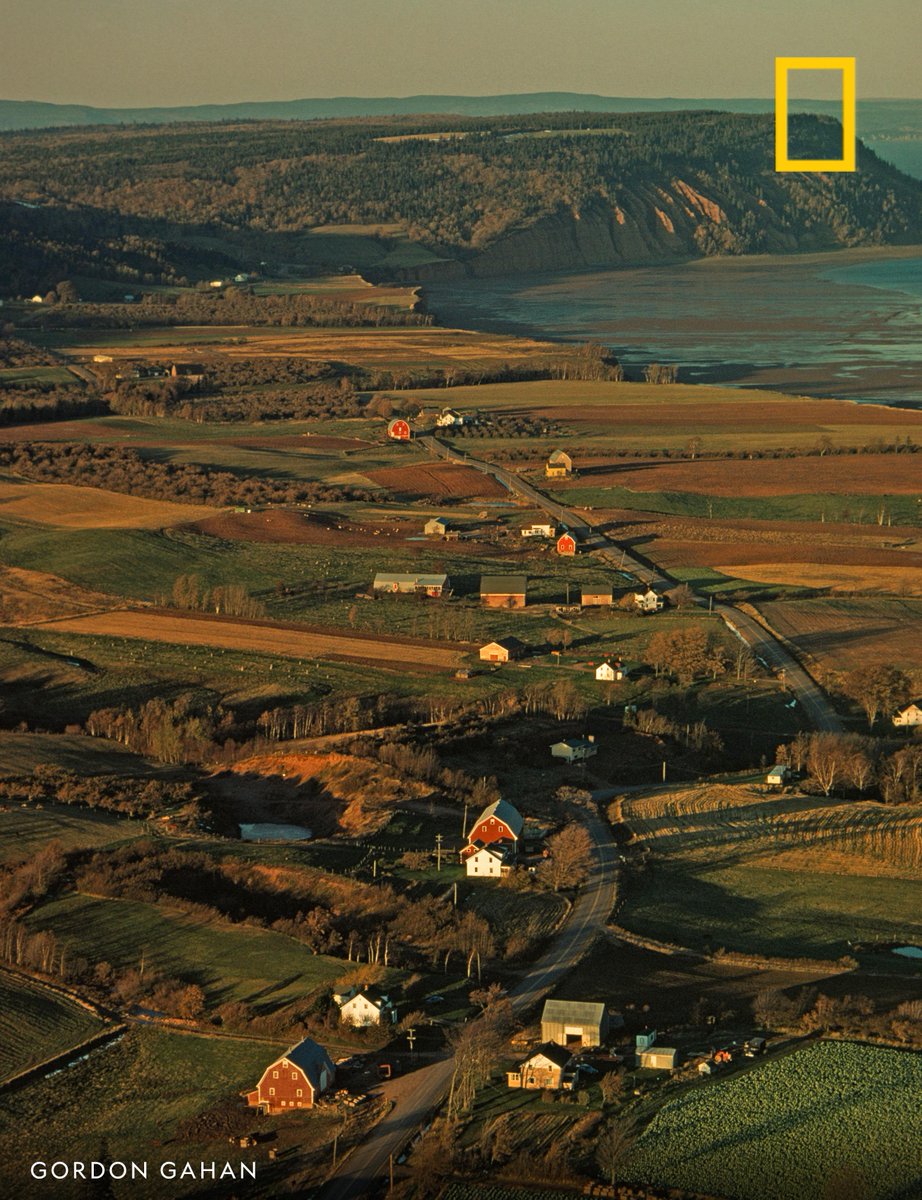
(274, 833)
(844, 324)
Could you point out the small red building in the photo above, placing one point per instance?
(566, 544)
(399, 429)
(295, 1080)
(499, 823)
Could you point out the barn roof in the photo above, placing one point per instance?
(311, 1058)
(506, 643)
(503, 585)
(505, 812)
(559, 456)
(573, 1012)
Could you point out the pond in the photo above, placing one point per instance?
(275, 833)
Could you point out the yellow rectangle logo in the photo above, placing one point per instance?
(847, 161)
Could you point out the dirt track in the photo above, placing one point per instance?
(261, 638)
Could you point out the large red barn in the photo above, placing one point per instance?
(566, 544)
(399, 429)
(295, 1080)
(500, 823)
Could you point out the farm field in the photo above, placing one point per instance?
(839, 635)
(24, 831)
(147, 1089)
(783, 1130)
(36, 1024)
(786, 876)
(68, 507)
(346, 289)
(29, 596)
(643, 417)
(260, 638)
(229, 962)
(395, 348)
(437, 481)
(26, 376)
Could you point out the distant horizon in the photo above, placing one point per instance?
(134, 54)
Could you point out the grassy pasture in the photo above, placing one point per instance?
(229, 962)
(36, 1024)
(23, 831)
(142, 1087)
(786, 876)
(20, 753)
(783, 1130)
(27, 376)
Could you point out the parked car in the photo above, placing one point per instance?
(754, 1046)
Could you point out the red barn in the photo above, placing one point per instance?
(399, 429)
(295, 1080)
(566, 544)
(499, 823)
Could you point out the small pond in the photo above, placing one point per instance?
(275, 833)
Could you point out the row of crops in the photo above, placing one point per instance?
(835, 1111)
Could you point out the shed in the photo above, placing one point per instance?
(294, 1080)
(574, 1022)
(779, 775)
(503, 591)
(558, 464)
(438, 526)
(659, 1058)
(504, 650)
(596, 595)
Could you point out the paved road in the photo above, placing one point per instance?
(763, 644)
(416, 1096)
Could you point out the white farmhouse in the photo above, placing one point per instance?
(908, 716)
(368, 1007)
(489, 862)
(607, 672)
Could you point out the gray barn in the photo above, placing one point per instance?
(568, 1022)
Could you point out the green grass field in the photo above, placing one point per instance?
(36, 1024)
(24, 376)
(128, 1100)
(23, 831)
(784, 1130)
(21, 753)
(229, 962)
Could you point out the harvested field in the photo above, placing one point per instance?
(70, 507)
(37, 1023)
(437, 480)
(290, 641)
(843, 634)
(858, 578)
(309, 443)
(872, 474)
(423, 346)
(27, 597)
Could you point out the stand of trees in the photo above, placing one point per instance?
(848, 763)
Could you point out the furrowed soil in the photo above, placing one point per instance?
(290, 641)
(417, 481)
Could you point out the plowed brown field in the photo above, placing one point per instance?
(437, 480)
(870, 474)
(290, 641)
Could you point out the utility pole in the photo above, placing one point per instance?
(411, 1039)
(664, 770)
(438, 851)
(390, 1163)
(464, 822)
(335, 1143)
(455, 896)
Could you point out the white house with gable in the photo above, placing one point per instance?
(368, 1007)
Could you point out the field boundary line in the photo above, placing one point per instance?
(96, 1042)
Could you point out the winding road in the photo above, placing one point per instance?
(417, 1095)
(760, 640)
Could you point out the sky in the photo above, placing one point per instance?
(136, 53)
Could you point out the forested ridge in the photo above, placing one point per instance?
(179, 200)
